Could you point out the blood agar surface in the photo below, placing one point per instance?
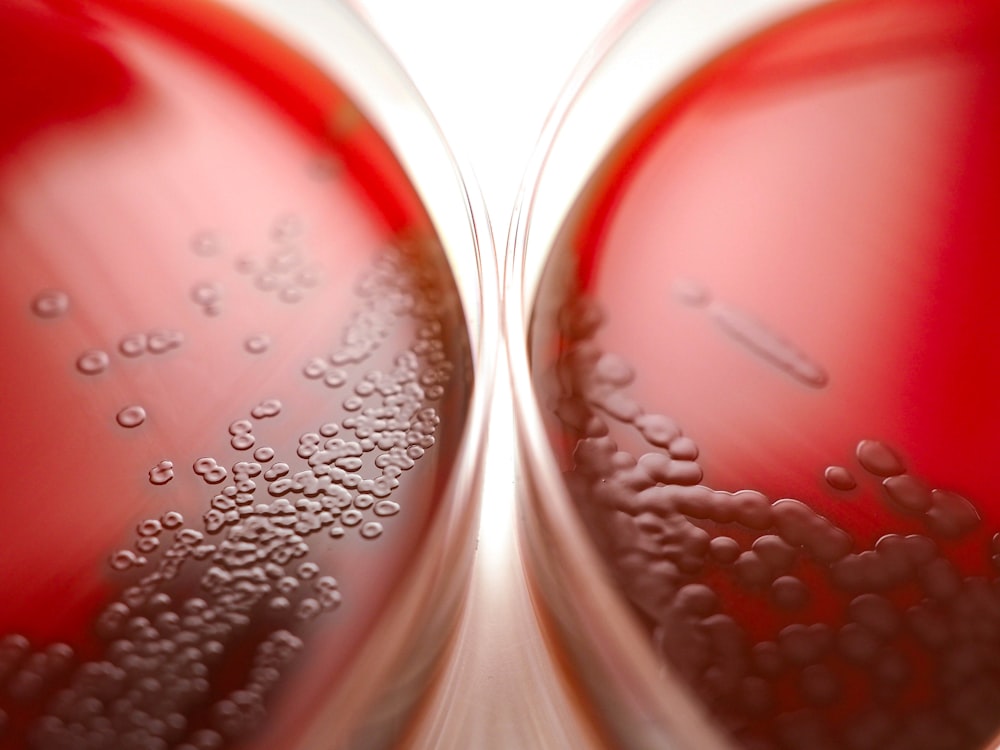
(233, 382)
(765, 348)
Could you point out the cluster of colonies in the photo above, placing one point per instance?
(285, 271)
(167, 649)
(52, 304)
(909, 659)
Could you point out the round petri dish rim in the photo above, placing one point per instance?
(639, 703)
(377, 696)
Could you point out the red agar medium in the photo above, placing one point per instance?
(772, 383)
(232, 383)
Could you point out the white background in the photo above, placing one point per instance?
(490, 73)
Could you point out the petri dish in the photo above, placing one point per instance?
(750, 326)
(248, 310)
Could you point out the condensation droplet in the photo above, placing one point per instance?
(50, 303)
(92, 362)
(131, 416)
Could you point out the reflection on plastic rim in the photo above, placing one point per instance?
(652, 47)
(378, 692)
